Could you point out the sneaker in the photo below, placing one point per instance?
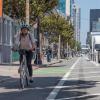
(31, 81)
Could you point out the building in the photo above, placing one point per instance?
(65, 6)
(6, 31)
(76, 22)
(89, 39)
(62, 6)
(94, 20)
(71, 7)
(94, 24)
(93, 36)
(73, 13)
(68, 8)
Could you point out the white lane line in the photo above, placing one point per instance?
(55, 91)
(79, 97)
(95, 76)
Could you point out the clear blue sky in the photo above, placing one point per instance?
(85, 6)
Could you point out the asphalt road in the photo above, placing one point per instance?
(76, 79)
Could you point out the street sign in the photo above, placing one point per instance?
(1, 4)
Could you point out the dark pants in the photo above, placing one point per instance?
(48, 57)
(29, 56)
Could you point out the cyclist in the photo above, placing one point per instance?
(25, 41)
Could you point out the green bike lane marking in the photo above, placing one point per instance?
(50, 70)
(54, 70)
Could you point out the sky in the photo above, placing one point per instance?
(85, 6)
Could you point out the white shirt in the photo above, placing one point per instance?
(24, 42)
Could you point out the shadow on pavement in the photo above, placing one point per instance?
(5, 79)
(41, 88)
(76, 89)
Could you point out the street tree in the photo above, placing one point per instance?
(56, 25)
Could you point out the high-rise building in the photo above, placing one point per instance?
(72, 12)
(65, 6)
(68, 8)
(94, 20)
(76, 22)
(71, 7)
(62, 6)
(96, 26)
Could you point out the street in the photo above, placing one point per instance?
(82, 82)
(59, 42)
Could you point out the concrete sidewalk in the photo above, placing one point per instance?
(44, 62)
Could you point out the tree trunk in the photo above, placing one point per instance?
(67, 49)
(27, 12)
(41, 43)
(59, 46)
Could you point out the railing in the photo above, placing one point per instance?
(8, 29)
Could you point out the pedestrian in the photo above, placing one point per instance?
(49, 54)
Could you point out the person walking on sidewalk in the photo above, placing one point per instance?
(49, 54)
(25, 41)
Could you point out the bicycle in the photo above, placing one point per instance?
(24, 73)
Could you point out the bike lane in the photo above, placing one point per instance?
(82, 84)
(45, 79)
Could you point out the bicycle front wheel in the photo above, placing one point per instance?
(22, 78)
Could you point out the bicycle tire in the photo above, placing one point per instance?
(27, 82)
(24, 74)
(27, 77)
(22, 79)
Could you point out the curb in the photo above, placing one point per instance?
(56, 62)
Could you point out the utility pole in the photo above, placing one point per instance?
(27, 12)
